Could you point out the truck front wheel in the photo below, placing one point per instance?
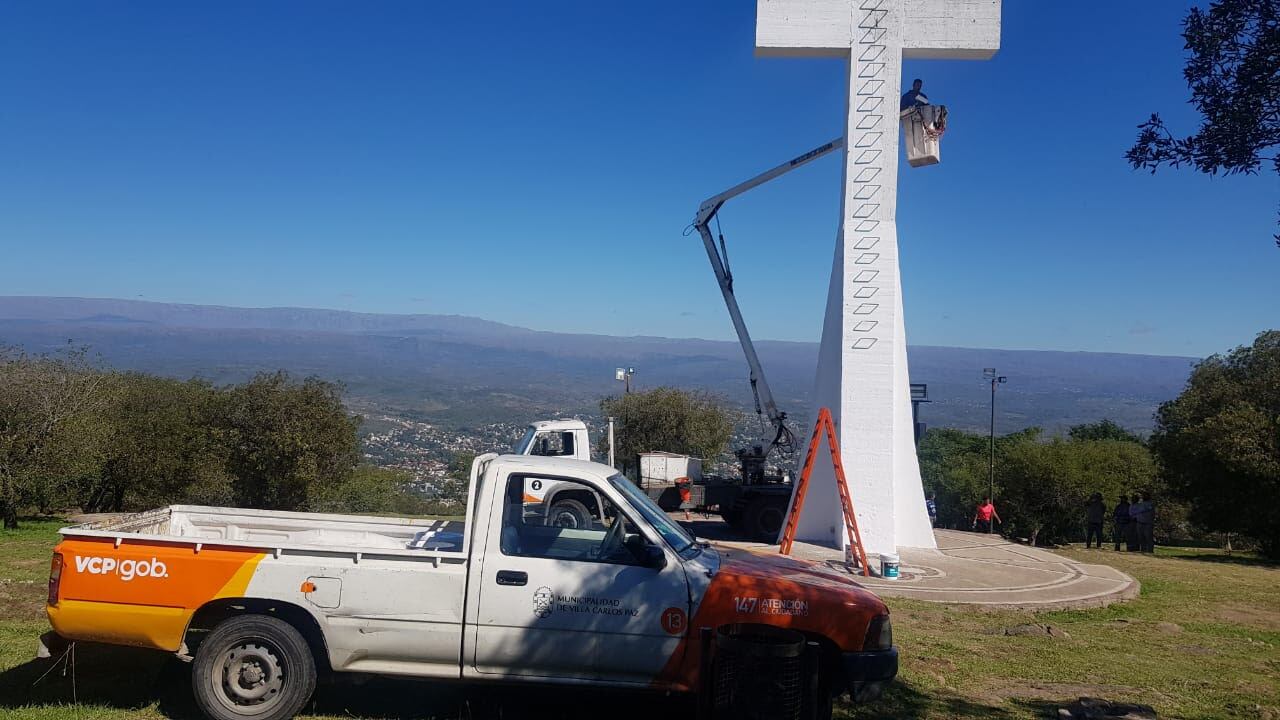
(569, 513)
(253, 667)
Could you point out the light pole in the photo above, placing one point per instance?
(611, 443)
(996, 379)
(623, 375)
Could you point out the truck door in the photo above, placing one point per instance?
(606, 602)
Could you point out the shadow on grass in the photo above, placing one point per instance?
(132, 679)
(1224, 559)
(118, 677)
(903, 700)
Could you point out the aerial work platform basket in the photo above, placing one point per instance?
(922, 128)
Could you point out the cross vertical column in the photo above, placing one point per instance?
(862, 362)
(863, 344)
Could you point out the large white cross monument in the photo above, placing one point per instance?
(862, 362)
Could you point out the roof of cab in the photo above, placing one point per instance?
(557, 465)
(561, 424)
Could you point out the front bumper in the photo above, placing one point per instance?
(868, 673)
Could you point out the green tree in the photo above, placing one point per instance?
(1104, 429)
(286, 441)
(366, 489)
(954, 466)
(1045, 485)
(671, 419)
(51, 431)
(1218, 442)
(1231, 69)
(160, 450)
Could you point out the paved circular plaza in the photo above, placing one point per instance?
(975, 569)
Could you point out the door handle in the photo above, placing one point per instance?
(512, 577)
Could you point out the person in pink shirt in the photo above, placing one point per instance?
(983, 517)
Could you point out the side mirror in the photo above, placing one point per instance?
(651, 556)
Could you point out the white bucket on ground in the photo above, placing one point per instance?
(889, 566)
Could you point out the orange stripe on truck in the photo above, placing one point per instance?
(142, 594)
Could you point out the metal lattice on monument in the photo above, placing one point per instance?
(862, 361)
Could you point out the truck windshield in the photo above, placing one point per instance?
(523, 446)
(676, 536)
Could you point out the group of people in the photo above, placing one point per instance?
(1133, 523)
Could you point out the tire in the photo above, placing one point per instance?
(764, 518)
(820, 705)
(253, 667)
(569, 513)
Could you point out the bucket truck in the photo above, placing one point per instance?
(756, 502)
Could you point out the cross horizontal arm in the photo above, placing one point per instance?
(934, 29)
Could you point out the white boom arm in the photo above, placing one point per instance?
(720, 266)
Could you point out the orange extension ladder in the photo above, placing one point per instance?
(846, 503)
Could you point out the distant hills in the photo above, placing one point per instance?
(463, 370)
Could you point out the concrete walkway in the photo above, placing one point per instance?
(976, 569)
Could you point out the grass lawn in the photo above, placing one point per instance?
(1202, 641)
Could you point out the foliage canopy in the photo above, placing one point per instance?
(1232, 71)
(1219, 441)
(73, 434)
(671, 419)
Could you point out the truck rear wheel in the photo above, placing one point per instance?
(764, 517)
(253, 666)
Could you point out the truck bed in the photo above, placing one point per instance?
(280, 529)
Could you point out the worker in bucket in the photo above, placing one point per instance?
(914, 97)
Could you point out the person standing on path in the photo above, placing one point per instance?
(684, 486)
(1146, 519)
(931, 504)
(1120, 520)
(1131, 530)
(1095, 511)
(984, 515)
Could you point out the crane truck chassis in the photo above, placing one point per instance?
(755, 507)
(262, 602)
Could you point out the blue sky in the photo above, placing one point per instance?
(535, 163)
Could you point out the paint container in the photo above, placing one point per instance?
(889, 566)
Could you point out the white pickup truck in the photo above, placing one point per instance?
(263, 602)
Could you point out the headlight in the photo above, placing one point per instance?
(879, 634)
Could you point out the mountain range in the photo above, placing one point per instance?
(463, 370)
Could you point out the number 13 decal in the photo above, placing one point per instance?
(673, 621)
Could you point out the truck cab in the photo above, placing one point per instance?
(554, 502)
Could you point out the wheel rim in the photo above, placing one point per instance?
(565, 519)
(250, 677)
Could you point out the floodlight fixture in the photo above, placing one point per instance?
(623, 375)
